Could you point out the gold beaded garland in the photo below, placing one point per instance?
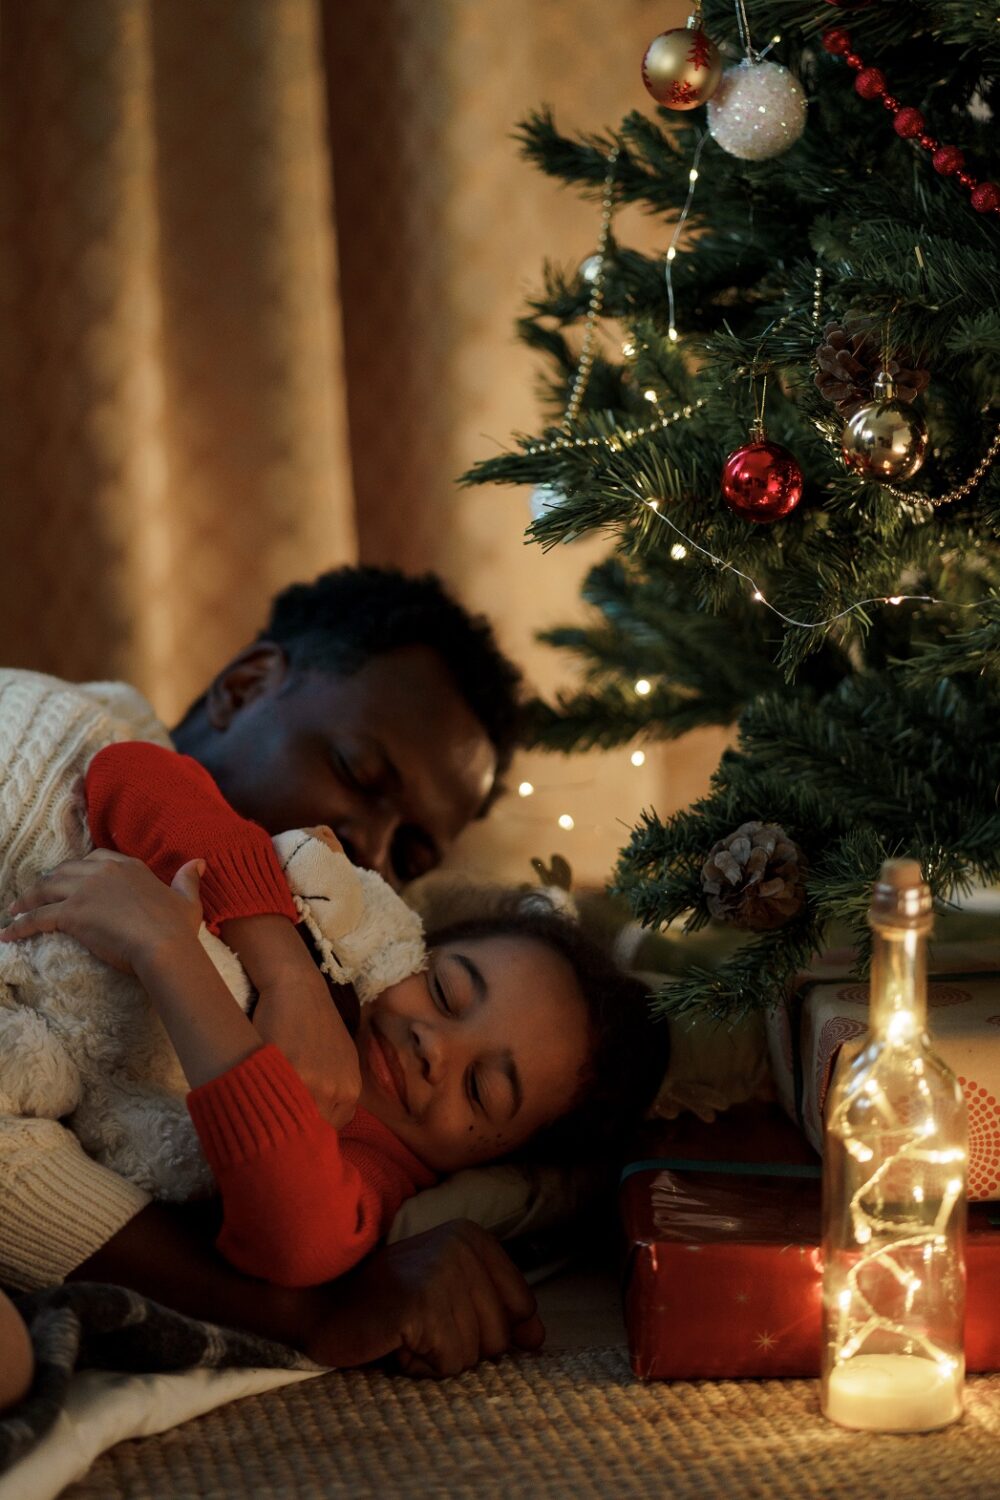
(960, 490)
(596, 265)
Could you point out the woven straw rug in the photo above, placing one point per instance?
(558, 1425)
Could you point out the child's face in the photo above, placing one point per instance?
(467, 1060)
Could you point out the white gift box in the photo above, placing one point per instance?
(827, 1018)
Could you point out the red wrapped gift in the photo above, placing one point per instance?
(723, 1277)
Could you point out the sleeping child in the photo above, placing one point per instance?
(508, 1030)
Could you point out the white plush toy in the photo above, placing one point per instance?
(80, 1042)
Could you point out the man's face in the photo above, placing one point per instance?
(467, 1060)
(390, 757)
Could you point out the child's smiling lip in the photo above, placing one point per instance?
(386, 1069)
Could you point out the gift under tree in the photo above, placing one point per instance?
(789, 419)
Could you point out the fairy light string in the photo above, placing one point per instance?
(671, 255)
(757, 593)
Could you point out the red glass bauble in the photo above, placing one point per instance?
(870, 83)
(986, 198)
(761, 481)
(908, 122)
(947, 159)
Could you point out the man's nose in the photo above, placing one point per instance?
(367, 840)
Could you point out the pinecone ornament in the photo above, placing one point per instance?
(753, 878)
(850, 357)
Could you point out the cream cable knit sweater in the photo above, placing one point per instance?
(57, 1206)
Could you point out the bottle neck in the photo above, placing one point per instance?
(898, 1011)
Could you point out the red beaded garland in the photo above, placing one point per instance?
(947, 159)
(908, 123)
(870, 83)
(986, 198)
(836, 41)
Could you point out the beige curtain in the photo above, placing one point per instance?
(171, 401)
(260, 263)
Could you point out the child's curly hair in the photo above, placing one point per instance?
(629, 1050)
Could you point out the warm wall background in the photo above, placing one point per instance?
(260, 262)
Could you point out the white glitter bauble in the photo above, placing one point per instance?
(544, 497)
(758, 110)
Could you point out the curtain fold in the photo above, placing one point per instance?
(172, 407)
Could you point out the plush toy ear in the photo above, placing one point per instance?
(325, 884)
(553, 893)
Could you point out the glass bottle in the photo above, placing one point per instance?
(894, 1171)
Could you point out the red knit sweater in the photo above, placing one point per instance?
(302, 1202)
(165, 809)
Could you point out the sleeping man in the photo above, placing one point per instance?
(372, 704)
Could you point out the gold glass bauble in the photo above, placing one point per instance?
(682, 68)
(886, 439)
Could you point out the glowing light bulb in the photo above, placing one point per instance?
(628, 349)
(693, 175)
(895, 599)
(650, 395)
(758, 596)
(672, 334)
(671, 253)
(677, 552)
(653, 504)
(638, 757)
(525, 789)
(565, 821)
(643, 687)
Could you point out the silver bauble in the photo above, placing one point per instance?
(543, 498)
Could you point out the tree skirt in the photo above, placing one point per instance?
(561, 1425)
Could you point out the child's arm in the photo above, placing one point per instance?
(442, 1300)
(165, 809)
(297, 1211)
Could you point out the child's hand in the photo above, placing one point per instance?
(296, 1013)
(113, 905)
(439, 1301)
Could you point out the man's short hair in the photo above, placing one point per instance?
(348, 615)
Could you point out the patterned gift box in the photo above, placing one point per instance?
(723, 1274)
(823, 1022)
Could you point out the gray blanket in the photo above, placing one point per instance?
(87, 1325)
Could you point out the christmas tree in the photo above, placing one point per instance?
(789, 421)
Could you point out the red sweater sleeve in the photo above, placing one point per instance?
(302, 1202)
(164, 809)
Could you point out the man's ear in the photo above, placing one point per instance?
(260, 669)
